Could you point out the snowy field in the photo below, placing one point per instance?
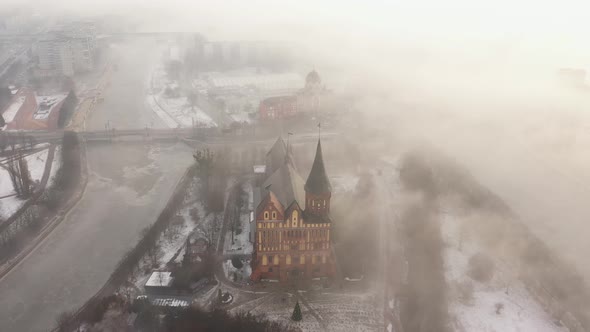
(183, 113)
(175, 112)
(36, 163)
(501, 305)
(320, 311)
(13, 109)
(191, 218)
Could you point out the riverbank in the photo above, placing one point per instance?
(94, 307)
(51, 205)
(496, 270)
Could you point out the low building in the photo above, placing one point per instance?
(159, 282)
(29, 111)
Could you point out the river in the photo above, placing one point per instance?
(129, 184)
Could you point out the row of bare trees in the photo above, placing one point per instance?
(213, 170)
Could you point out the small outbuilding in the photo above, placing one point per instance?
(159, 282)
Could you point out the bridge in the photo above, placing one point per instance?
(198, 136)
(243, 149)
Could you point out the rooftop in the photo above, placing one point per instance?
(160, 279)
(317, 181)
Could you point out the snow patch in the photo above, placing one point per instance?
(501, 305)
(13, 109)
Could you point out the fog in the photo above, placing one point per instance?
(477, 81)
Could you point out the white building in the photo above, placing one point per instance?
(67, 51)
(55, 57)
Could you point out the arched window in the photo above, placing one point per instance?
(264, 260)
(274, 215)
(265, 215)
(295, 215)
(288, 259)
(276, 260)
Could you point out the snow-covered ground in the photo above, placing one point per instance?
(174, 239)
(174, 111)
(241, 243)
(501, 305)
(183, 113)
(165, 117)
(241, 275)
(13, 109)
(36, 163)
(171, 243)
(55, 165)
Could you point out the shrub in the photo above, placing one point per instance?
(237, 262)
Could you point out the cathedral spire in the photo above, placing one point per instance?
(317, 181)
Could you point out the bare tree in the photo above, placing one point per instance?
(152, 254)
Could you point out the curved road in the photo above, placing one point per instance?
(128, 186)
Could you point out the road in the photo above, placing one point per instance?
(128, 186)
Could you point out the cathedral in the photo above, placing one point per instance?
(292, 220)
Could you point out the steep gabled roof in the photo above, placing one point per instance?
(271, 197)
(276, 156)
(278, 147)
(286, 184)
(317, 181)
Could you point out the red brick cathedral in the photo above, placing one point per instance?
(293, 224)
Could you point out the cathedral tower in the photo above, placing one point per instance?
(318, 190)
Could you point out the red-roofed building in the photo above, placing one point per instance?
(278, 107)
(28, 111)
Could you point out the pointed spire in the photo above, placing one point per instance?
(278, 147)
(317, 182)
